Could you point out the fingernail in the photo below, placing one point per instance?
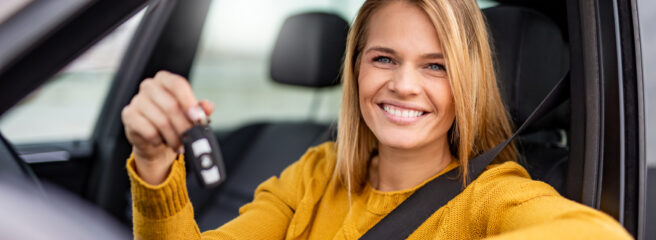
(181, 150)
(193, 114)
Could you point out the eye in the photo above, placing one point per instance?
(436, 67)
(383, 59)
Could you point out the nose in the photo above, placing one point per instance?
(405, 82)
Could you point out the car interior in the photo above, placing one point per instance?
(257, 151)
(531, 49)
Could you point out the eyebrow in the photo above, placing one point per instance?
(433, 56)
(381, 49)
(391, 51)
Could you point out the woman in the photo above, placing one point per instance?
(419, 99)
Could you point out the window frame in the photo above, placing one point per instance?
(607, 145)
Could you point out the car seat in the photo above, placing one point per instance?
(531, 56)
(307, 53)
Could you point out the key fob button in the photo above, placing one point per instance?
(211, 175)
(201, 146)
(205, 161)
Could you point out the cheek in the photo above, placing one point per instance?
(442, 97)
(366, 83)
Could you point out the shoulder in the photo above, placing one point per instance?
(499, 188)
(505, 171)
(318, 161)
(315, 166)
(507, 200)
(509, 183)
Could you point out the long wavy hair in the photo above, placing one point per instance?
(481, 120)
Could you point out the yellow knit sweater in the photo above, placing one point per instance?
(306, 202)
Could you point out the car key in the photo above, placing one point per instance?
(203, 153)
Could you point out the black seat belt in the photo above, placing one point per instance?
(410, 214)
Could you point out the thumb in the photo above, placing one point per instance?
(208, 106)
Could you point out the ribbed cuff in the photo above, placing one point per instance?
(163, 200)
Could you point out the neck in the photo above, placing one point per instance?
(398, 169)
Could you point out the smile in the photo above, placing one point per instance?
(400, 112)
(401, 115)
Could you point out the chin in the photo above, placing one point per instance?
(399, 141)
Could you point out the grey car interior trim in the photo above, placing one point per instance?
(43, 157)
(632, 114)
(643, 176)
(48, 56)
(32, 24)
(593, 131)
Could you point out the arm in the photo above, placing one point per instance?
(521, 208)
(269, 214)
(550, 217)
(165, 212)
(162, 211)
(154, 120)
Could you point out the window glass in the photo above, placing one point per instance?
(232, 64)
(67, 106)
(647, 14)
(646, 18)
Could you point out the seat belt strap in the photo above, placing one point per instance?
(411, 213)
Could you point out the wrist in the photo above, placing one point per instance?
(154, 169)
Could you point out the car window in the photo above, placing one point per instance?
(67, 106)
(232, 64)
(646, 18)
(647, 14)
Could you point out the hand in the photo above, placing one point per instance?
(155, 119)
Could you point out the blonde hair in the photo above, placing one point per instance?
(481, 121)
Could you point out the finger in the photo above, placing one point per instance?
(208, 106)
(170, 107)
(178, 87)
(158, 119)
(139, 128)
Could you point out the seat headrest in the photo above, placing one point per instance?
(532, 56)
(309, 50)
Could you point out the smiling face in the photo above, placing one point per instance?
(404, 91)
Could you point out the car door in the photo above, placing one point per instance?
(607, 141)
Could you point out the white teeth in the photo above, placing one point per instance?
(402, 113)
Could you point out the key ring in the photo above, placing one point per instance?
(202, 117)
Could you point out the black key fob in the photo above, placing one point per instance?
(203, 153)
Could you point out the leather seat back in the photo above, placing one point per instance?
(532, 56)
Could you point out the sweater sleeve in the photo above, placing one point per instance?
(521, 208)
(165, 212)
